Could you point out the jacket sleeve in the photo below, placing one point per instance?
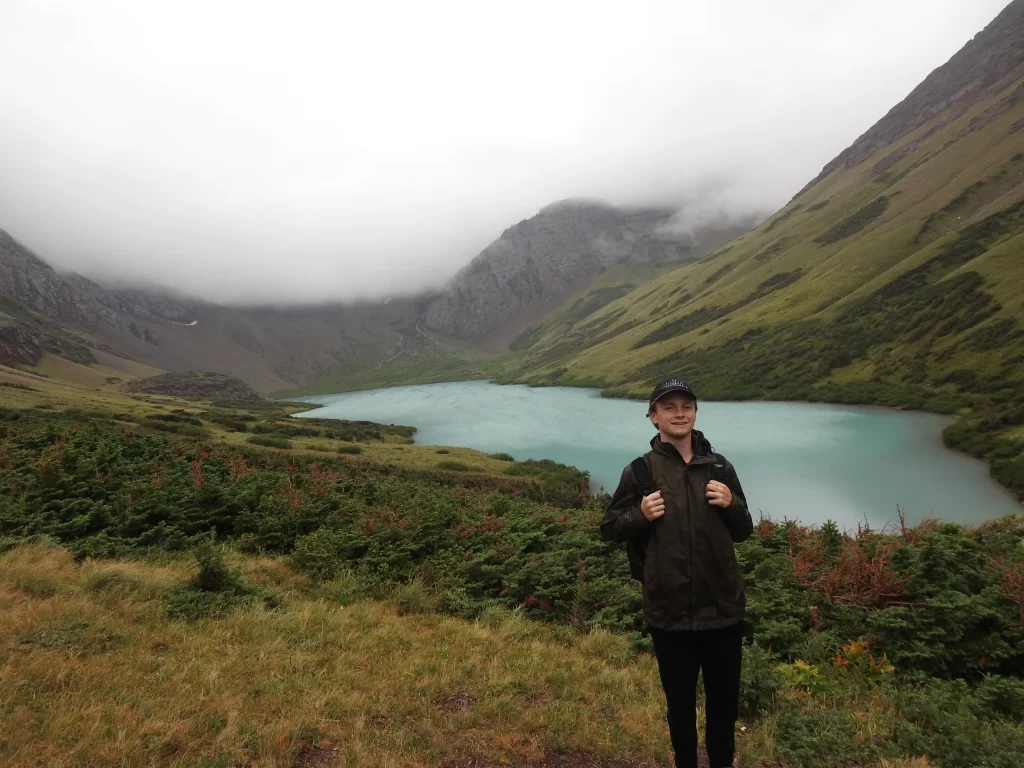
(736, 516)
(623, 519)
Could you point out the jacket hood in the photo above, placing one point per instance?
(701, 445)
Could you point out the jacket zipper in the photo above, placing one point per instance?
(686, 486)
(693, 570)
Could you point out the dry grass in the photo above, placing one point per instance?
(93, 673)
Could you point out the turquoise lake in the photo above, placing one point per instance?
(795, 460)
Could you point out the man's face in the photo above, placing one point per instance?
(674, 415)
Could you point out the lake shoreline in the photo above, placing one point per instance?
(851, 454)
(858, 402)
(606, 392)
(838, 395)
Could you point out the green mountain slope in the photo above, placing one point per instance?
(896, 277)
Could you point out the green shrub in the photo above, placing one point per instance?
(999, 697)
(7, 543)
(940, 720)
(177, 427)
(760, 681)
(526, 339)
(455, 466)
(809, 734)
(216, 590)
(457, 601)
(503, 456)
(269, 442)
(479, 541)
(62, 636)
(350, 449)
(781, 218)
(174, 418)
(229, 420)
(855, 222)
(213, 574)
(320, 554)
(284, 430)
(414, 597)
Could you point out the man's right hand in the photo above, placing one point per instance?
(653, 506)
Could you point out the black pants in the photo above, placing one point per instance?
(719, 654)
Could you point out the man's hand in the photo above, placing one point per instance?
(719, 494)
(653, 506)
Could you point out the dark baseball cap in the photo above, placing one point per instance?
(670, 385)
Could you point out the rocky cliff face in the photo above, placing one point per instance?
(543, 258)
(73, 299)
(192, 384)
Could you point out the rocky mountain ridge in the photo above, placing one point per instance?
(994, 55)
(213, 386)
(527, 272)
(75, 300)
(544, 259)
(46, 312)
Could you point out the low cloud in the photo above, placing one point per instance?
(318, 151)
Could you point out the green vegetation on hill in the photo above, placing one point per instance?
(862, 647)
(416, 359)
(894, 280)
(855, 222)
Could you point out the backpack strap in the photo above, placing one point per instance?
(718, 468)
(642, 476)
(636, 554)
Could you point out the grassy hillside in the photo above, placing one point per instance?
(176, 596)
(896, 281)
(266, 426)
(415, 359)
(96, 673)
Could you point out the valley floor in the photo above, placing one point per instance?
(202, 583)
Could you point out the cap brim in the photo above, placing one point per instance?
(670, 391)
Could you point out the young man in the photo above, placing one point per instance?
(693, 597)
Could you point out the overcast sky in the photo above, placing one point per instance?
(280, 151)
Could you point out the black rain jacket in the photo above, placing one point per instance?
(691, 578)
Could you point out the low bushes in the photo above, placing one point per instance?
(216, 590)
(269, 442)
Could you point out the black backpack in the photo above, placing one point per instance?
(644, 483)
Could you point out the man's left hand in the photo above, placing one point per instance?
(719, 494)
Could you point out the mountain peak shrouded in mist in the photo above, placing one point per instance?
(243, 155)
(541, 260)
